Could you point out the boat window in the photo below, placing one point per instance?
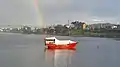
(49, 39)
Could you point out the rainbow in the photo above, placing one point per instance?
(39, 13)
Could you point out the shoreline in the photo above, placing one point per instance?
(102, 36)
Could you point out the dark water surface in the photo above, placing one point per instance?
(18, 50)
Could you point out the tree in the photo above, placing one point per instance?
(60, 29)
(77, 24)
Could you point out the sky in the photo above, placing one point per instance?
(17, 12)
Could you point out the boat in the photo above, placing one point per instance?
(54, 43)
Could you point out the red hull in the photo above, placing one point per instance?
(68, 46)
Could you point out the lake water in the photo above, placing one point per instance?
(17, 50)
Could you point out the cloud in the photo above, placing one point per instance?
(63, 11)
(55, 3)
(17, 12)
(23, 11)
(82, 10)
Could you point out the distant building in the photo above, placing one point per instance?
(102, 25)
(84, 26)
(114, 27)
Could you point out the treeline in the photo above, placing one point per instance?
(66, 29)
(74, 28)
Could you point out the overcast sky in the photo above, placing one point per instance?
(58, 11)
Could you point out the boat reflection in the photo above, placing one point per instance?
(58, 57)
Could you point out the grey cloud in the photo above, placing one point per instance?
(23, 11)
(16, 12)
